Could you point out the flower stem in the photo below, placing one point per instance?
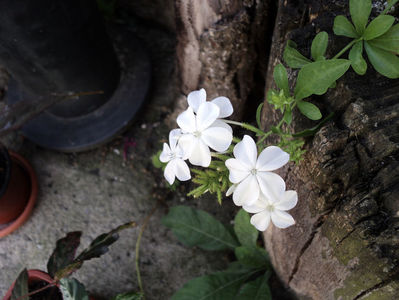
(346, 48)
(51, 284)
(389, 7)
(246, 126)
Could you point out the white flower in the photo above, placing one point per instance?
(196, 98)
(199, 134)
(273, 209)
(252, 174)
(174, 156)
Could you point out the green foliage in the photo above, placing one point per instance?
(72, 289)
(343, 27)
(378, 27)
(281, 78)
(156, 162)
(293, 58)
(360, 11)
(312, 131)
(293, 147)
(252, 256)
(246, 233)
(258, 115)
(257, 289)
(317, 77)
(288, 115)
(279, 100)
(319, 46)
(389, 41)
(358, 63)
(383, 61)
(309, 110)
(198, 228)
(21, 286)
(130, 296)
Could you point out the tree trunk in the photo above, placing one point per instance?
(345, 242)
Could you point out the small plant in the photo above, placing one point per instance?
(63, 263)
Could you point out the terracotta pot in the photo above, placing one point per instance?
(34, 276)
(18, 191)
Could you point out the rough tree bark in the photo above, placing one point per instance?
(345, 242)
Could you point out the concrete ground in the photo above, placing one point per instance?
(97, 190)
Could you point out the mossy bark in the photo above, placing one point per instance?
(345, 242)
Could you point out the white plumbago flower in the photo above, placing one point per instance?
(252, 173)
(174, 156)
(274, 209)
(198, 134)
(196, 98)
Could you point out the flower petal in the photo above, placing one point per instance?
(187, 121)
(170, 171)
(165, 154)
(226, 109)
(231, 190)
(282, 219)
(288, 201)
(271, 185)
(200, 155)
(206, 115)
(238, 171)
(174, 137)
(271, 159)
(245, 151)
(261, 220)
(186, 144)
(221, 123)
(260, 205)
(217, 138)
(182, 170)
(247, 192)
(196, 98)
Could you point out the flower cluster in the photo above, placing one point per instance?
(253, 184)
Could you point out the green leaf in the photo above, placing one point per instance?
(72, 289)
(384, 62)
(246, 233)
(310, 110)
(156, 162)
(317, 77)
(293, 58)
(360, 12)
(252, 256)
(281, 79)
(389, 41)
(217, 286)
(312, 131)
(357, 61)
(258, 115)
(257, 289)
(64, 252)
(287, 115)
(197, 228)
(342, 26)
(21, 286)
(129, 296)
(319, 45)
(378, 27)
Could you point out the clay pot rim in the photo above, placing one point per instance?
(13, 225)
(7, 177)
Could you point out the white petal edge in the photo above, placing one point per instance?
(217, 138)
(260, 205)
(288, 201)
(231, 190)
(187, 121)
(182, 170)
(170, 171)
(271, 185)
(196, 98)
(206, 115)
(247, 192)
(246, 152)
(238, 171)
(272, 158)
(165, 154)
(221, 123)
(174, 136)
(186, 144)
(200, 155)
(261, 220)
(282, 219)
(224, 104)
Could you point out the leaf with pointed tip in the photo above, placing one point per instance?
(258, 115)
(319, 45)
(389, 41)
(257, 289)
(357, 61)
(309, 110)
(317, 77)
(246, 233)
(252, 256)
(194, 227)
(360, 12)
(72, 289)
(384, 62)
(287, 115)
(130, 296)
(64, 252)
(378, 27)
(281, 78)
(342, 26)
(21, 287)
(293, 58)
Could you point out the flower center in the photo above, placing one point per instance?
(254, 171)
(172, 155)
(197, 134)
(270, 207)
